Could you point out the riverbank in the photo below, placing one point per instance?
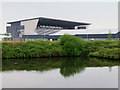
(67, 46)
(104, 49)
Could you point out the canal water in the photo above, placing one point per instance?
(64, 72)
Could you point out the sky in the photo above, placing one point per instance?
(101, 15)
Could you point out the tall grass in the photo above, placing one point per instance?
(104, 49)
(30, 49)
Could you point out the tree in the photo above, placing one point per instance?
(11, 38)
(109, 35)
(27, 37)
(72, 45)
(5, 39)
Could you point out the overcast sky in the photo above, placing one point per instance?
(102, 15)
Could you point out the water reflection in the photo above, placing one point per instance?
(71, 67)
(68, 66)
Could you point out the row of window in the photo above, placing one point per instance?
(48, 27)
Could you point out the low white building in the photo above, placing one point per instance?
(5, 38)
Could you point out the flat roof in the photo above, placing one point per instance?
(48, 21)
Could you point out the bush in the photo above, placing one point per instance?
(31, 49)
(72, 45)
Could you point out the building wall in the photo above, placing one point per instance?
(29, 26)
(96, 36)
(14, 30)
(84, 36)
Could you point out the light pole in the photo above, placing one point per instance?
(87, 36)
(13, 35)
(44, 35)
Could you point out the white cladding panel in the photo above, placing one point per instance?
(29, 26)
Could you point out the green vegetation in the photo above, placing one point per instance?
(5, 39)
(104, 49)
(109, 35)
(11, 38)
(27, 37)
(68, 66)
(106, 53)
(72, 45)
(67, 46)
(5, 34)
(31, 49)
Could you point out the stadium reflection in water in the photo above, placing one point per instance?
(64, 72)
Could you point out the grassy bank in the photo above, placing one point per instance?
(31, 49)
(104, 49)
(67, 46)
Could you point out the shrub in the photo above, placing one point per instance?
(72, 45)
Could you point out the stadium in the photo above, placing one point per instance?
(52, 29)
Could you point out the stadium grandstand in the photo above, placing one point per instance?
(52, 29)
